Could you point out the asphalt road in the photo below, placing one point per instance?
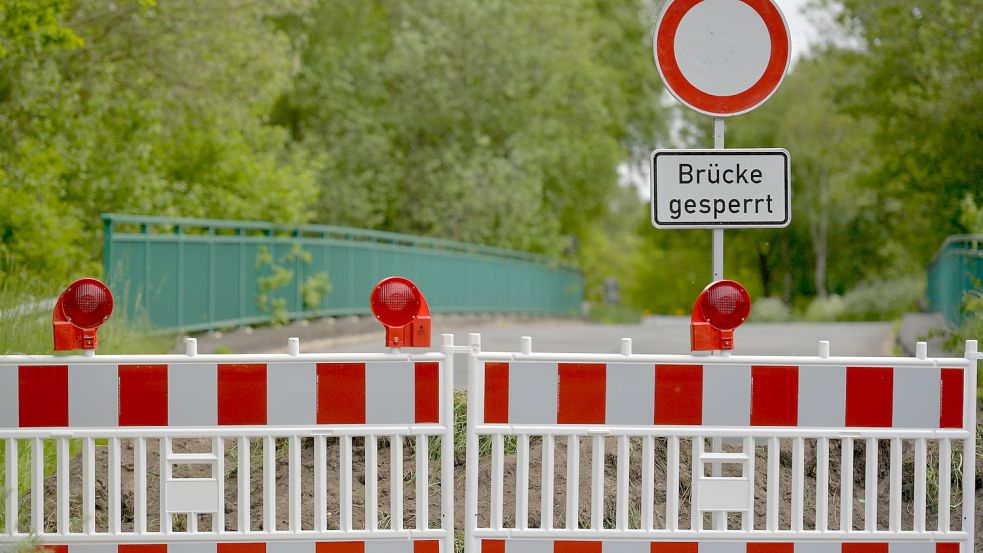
(668, 335)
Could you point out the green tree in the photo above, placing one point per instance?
(141, 108)
(494, 122)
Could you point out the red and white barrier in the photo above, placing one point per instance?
(195, 394)
(186, 427)
(765, 418)
(638, 546)
(375, 546)
(723, 393)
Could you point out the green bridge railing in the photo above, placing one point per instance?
(199, 274)
(956, 269)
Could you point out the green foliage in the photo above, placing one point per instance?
(278, 274)
(882, 300)
(829, 308)
(917, 78)
(139, 108)
(769, 310)
(614, 314)
(491, 122)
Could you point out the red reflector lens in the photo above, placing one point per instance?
(726, 305)
(88, 303)
(395, 301)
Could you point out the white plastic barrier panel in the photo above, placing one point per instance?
(624, 453)
(312, 453)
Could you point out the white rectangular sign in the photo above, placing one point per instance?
(721, 188)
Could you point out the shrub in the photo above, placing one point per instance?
(829, 308)
(769, 310)
(882, 300)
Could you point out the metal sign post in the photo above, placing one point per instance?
(719, 128)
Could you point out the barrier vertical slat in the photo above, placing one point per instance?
(12, 491)
(269, 484)
(672, 484)
(89, 485)
(747, 517)
(192, 523)
(717, 518)
(396, 482)
(293, 485)
(243, 497)
(822, 485)
(870, 486)
(648, 482)
(115, 486)
(522, 483)
(164, 451)
(695, 515)
(497, 475)
(772, 523)
(894, 493)
(921, 459)
(37, 485)
(622, 482)
(474, 407)
(597, 482)
(798, 482)
(446, 418)
(371, 483)
(945, 481)
(970, 446)
(423, 482)
(846, 485)
(345, 484)
(218, 446)
(546, 508)
(61, 464)
(140, 485)
(573, 482)
(320, 484)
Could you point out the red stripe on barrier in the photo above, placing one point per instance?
(582, 393)
(869, 396)
(242, 393)
(679, 394)
(142, 395)
(426, 546)
(43, 394)
(142, 548)
(241, 547)
(427, 392)
(496, 393)
(340, 547)
(861, 547)
(675, 547)
(341, 393)
(947, 547)
(951, 397)
(577, 547)
(774, 396)
(767, 547)
(492, 546)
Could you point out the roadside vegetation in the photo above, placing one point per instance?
(518, 124)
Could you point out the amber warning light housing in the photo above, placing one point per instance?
(722, 306)
(81, 309)
(398, 304)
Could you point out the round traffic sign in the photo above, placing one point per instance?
(722, 57)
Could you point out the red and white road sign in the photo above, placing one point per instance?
(722, 57)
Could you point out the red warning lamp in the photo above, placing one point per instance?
(722, 306)
(80, 311)
(402, 309)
